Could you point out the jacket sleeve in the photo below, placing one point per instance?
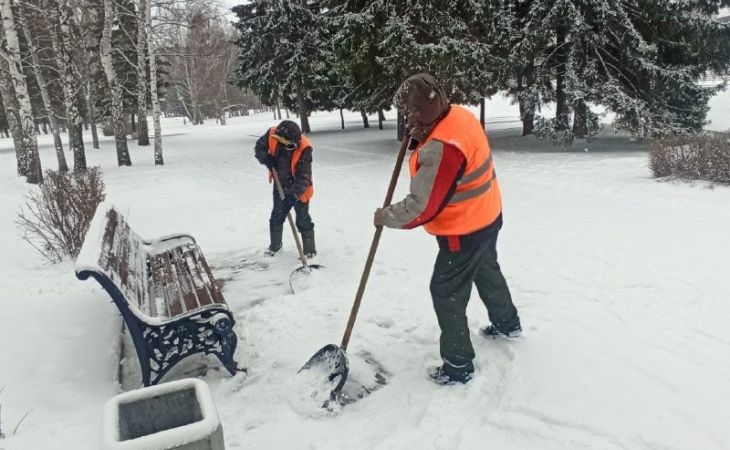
(261, 150)
(303, 177)
(440, 167)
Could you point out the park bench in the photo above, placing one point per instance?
(165, 293)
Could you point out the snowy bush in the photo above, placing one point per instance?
(693, 157)
(56, 217)
(547, 129)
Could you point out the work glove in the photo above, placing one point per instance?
(379, 217)
(270, 162)
(290, 198)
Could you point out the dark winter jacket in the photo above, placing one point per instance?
(292, 185)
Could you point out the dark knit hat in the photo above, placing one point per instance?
(421, 100)
(289, 130)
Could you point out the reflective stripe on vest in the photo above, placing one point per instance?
(477, 201)
(296, 154)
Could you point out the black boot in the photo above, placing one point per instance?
(275, 231)
(310, 250)
(511, 329)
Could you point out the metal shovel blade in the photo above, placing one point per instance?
(327, 371)
(299, 279)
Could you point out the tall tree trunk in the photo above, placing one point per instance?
(154, 97)
(193, 89)
(562, 113)
(62, 50)
(381, 119)
(43, 86)
(181, 99)
(527, 115)
(483, 112)
(400, 127)
(12, 113)
(117, 108)
(32, 166)
(143, 137)
(91, 25)
(69, 82)
(580, 120)
(365, 122)
(90, 102)
(303, 117)
(342, 119)
(528, 102)
(220, 112)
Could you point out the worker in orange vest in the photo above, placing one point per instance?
(284, 149)
(454, 195)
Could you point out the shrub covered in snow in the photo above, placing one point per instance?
(694, 157)
(56, 217)
(548, 129)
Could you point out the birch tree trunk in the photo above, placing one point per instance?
(76, 124)
(32, 164)
(43, 86)
(143, 137)
(153, 83)
(62, 50)
(90, 105)
(13, 116)
(120, 129)
(194, 100)
(91, 24)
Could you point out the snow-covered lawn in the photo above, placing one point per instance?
(621, 281)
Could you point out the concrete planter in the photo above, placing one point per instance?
(178, 415)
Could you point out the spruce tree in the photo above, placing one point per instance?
(284, 50)
(640, 59)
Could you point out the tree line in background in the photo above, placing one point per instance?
(639, 59)
(103, 66)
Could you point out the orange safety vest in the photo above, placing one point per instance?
(477, 201)
(303, 143)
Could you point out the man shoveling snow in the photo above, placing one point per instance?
(454, 195)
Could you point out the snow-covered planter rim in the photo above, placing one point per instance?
(178, 436)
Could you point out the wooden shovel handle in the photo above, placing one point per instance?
(374, 245)
(302, 258)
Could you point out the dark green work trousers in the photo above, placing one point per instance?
(451, 285)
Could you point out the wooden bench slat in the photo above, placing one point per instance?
(169, 285)
(123, 256)
(210, 281)
(201, 287)
(185, 282)
(108, 238)
(138, 273)
(157, 293)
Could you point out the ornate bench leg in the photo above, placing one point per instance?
(228, 342)
(168, 344)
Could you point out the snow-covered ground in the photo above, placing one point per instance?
(621, 282)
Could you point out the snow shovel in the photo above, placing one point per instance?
(329, 367)
(306, 268)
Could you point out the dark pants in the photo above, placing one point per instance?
(451, 284)
(281, 209)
